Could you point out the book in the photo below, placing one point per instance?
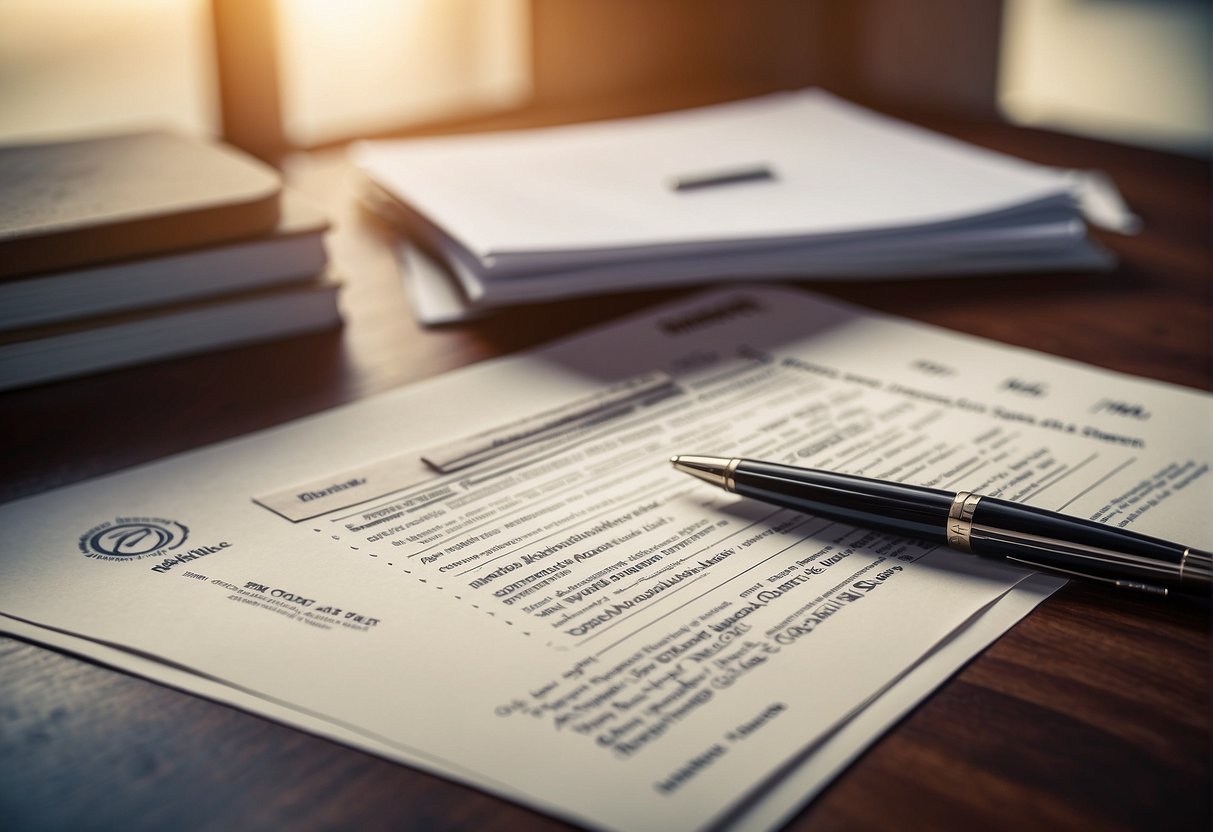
(292, 251)
(799, 185)
(115, 197)
(49, 353)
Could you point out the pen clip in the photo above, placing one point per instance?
(1149, 589)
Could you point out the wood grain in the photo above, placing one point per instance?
(1091, 713)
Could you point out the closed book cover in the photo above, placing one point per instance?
(292, 251)
(42, 354)
(67, 204)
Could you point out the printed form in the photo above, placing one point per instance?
(533, 601)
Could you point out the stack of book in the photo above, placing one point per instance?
(796, 185)
(136, 247)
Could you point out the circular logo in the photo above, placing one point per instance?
(132, 538)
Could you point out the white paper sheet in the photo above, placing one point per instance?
(538, 199)
(694, 645)
(768, 808)
(537, 215)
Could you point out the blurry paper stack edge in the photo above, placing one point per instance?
(799, 185)
(290, 251)
(61, 351)
(144, 246)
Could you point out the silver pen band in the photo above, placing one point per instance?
(730, 483)
(960, 520)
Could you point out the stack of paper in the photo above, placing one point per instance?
(828, 190)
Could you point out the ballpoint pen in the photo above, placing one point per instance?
(972, 523)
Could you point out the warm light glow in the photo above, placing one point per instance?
(348, 67)
(77, 66)
(1132, 71)
(354, 67)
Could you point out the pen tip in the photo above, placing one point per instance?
(708, 468)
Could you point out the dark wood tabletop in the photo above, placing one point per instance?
(1092, 713)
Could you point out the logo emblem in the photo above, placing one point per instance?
(133, 538)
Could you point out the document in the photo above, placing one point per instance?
(496, 575)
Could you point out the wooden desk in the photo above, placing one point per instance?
(1091, 713)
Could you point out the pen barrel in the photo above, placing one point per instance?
(981, 525)
(911, 511)
(1084, 548)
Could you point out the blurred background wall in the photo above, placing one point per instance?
(1131, 70)
(280, 73)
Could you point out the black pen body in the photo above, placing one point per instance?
(980, 525)
(1049, 540)
(908, 510)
